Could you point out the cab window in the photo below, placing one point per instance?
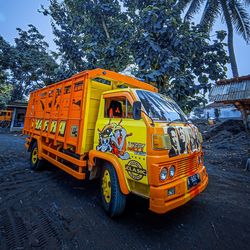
(118, 107)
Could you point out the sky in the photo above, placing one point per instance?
(20, 13)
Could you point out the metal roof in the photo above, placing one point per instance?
(219, 105)
(235, 89)
(17, 104)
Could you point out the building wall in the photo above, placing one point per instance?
(17, 122)
(224, 113)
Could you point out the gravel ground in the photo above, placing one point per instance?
(51, 210)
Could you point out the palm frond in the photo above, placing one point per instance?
(240, 18)
(211, 11)
(247, 2)
(193, 9)
(182, 4)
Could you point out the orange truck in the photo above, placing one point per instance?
(5, 118)
(101, 124)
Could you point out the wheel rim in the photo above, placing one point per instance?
(106, 186)
(34, 156)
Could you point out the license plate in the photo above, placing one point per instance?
(193, 180)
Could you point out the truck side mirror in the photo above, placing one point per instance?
(137, 110)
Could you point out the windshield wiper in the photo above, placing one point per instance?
(152, 121)
(176, 120)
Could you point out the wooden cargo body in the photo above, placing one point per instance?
(65, 113)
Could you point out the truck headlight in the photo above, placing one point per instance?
(163, 174)
(172, 171)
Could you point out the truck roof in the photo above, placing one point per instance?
(120, 78)
(117, 79)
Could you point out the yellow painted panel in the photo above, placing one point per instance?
(102, 87)
(126, 139)
(94, 92)
(92, 125)
(89, 140)
(93, 113)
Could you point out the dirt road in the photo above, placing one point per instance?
(51, 210)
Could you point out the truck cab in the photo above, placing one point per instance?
(158, 149)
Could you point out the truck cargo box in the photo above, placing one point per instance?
(66, 112)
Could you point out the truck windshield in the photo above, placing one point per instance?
(160, 107)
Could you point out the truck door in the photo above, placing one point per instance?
(119, 135)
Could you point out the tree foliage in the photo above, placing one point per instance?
(178, 56)
(5, 94)
(90, 33)
(148, 34)
(6, 62)
(33, 67)
(27, 65)
(234, 13)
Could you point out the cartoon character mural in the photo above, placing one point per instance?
(104, 138)
(112, 138)
(183, 140)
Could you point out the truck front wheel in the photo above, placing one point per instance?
(35, 163)
(113, 199)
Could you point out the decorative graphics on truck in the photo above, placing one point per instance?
(184, 140)
(112, 138)
(135, 170)
(137, 148)
(44, 125)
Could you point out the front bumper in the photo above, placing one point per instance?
(161, 202)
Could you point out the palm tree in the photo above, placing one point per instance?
(232, 11)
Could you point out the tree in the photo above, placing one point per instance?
(27, 65)
(90, 34)
(177, 55)
(5, 94)
(34, 67)
(6, 57)
(6, 62)
(234, 14)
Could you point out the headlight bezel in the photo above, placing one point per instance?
(166, 174)
(172, 167)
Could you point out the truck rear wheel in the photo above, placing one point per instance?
(113, 199)
(35, 163)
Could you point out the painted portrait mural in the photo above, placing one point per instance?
(183, 140)
(112, 138)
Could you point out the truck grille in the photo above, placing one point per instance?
(185, 166)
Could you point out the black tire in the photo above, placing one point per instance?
(117, 200)
(37, 164)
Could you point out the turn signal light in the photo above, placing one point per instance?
(171, 191)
